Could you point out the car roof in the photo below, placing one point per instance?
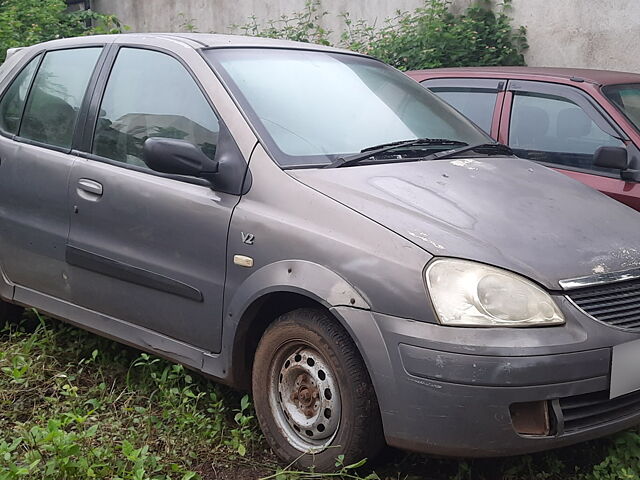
(600, 77)
(195, 40)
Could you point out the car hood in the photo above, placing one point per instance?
(507, 212)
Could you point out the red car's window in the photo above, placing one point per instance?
(475, 104)
(555, 130)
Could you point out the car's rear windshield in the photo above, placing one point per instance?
(311, 107)
(627, 98)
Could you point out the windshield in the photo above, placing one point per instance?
(312, 107)
(627, 99)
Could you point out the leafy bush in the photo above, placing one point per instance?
(25, 22)
(432, 36)
(429, 37)
(623, 460)
(302, 26)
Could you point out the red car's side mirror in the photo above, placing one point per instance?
(611, 157)
(618, 158)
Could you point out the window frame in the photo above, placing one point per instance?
(583, 100)
(85, 150)
(494, 84)
(83, 105)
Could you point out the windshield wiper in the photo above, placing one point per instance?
(370, 152)
(484, 148)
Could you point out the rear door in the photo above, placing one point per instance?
(146, 248)
(38, 117)
(479, 99)
(561, 127)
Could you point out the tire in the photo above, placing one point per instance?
(312, 393)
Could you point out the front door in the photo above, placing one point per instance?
(560, 127)
(146, 248)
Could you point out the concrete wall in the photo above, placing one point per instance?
(581, 33)
(218, 15)
(568, 33)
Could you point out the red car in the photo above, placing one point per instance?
(556, 116)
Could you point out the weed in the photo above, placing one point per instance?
(343, 472)
(187, 24)
(301, 26)
(622, 461)
(75, 406)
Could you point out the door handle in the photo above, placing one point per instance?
(90, 186)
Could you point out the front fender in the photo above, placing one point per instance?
(296, 276)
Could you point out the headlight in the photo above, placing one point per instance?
(466, 293)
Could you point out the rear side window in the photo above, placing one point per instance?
(555, 130)
(475, 104)
(13, 101)
(150, 94)
(57, 93)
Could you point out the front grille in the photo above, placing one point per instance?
(617, 304)
(591, 409)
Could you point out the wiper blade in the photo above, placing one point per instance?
(415, 141)
(370, 152)
(485, 148)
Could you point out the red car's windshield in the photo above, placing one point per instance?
(627, 98)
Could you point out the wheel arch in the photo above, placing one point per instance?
(268, 293)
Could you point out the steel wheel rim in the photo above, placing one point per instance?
(304, 397)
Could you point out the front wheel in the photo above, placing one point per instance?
(312, 393)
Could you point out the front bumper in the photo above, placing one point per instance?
(448, 391)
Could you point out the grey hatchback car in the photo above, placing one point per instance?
(311, 224)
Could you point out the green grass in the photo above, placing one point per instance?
(76, 406)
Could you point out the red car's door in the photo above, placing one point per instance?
(562, 127)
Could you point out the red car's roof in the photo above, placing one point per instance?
(601, 77)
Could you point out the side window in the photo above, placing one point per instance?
(150, 94)
(13, 101)
(555, 130)
(57, 93)
(474, 103)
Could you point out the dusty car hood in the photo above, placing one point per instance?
(503, 211)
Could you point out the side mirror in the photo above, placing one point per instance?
(611, 157)
(169, 155)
